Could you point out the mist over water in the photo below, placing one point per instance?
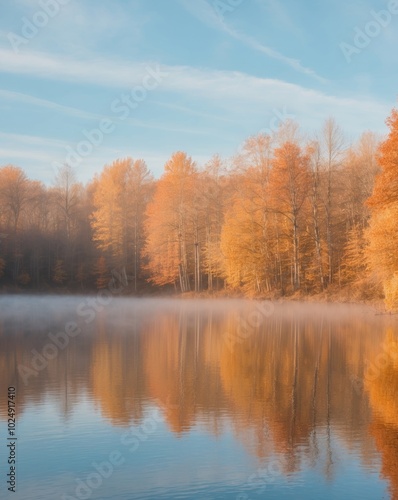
(233, 399)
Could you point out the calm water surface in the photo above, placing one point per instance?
(179, 399)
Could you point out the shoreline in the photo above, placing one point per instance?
(319, 298)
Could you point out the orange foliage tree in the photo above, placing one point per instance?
(382, 234)
(120, 196)
(173, 225)
(247, 237)
(289, 182)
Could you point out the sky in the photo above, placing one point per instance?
(88, 82)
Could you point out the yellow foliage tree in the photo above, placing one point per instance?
(120, 196)
(172, 226)
(383, 230)
(59, 274)
(289, 188)
(247, 237)
(354, 264)
(102, 273)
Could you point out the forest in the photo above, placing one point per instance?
(287, 216)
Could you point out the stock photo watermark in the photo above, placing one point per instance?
(374, 369)
(30, 28)
(121, 109)
(222, 7)
(258, 482)
(87, 309)
(278, 118)
(132, 440)
(363, 36)
(247, 326)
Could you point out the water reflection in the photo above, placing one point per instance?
(381, 382)
(297, 386)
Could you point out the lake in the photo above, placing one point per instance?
(119, 398)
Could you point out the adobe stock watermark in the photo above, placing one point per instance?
(374, 369)
(278, 118)
(222, 7)
(59, 341)
(262, 478)
(40, 19)
(132, 440)
(250, 323)
(121, 109)
(364, 36)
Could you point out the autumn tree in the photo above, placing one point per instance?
(59, 274)
(385, 191)
(212, 185)
(66, 203)
(247, 235)
(120, 196)
(66, 196)
(354, 271)
(383, 231)
(173, 227)
(2, 266)
(332, 142)
(101, 273)
(359, 173)
(288, 188)
(17, 195)
(14, 194)
(317, 210)
(286, 214)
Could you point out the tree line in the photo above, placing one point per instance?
(288, 215)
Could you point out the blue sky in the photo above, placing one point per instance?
(197, 75)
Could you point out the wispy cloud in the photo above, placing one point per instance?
(79, 26)
(125, 74)
(25, 155)
(232, 91)
(44, 103)
(35, 101)
(203, 11)
(189, 111)
(31, 140)
(293, 63)
(95, 70)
